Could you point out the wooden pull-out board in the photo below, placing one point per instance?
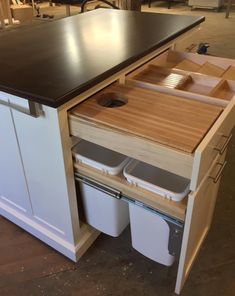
(168, 120)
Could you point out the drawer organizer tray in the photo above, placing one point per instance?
(186, 84)
(204, 64)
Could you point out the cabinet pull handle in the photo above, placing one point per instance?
(218, 175)
(222, 149)
(34, 109)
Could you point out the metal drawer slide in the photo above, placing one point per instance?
(176, 227)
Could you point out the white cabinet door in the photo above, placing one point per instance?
(13, 186)
(42, 154)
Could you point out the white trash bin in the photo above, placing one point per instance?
(102, 211)
(149, 231)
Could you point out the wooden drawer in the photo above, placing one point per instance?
(158, 129)
(187, 149)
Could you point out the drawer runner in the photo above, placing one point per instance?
(176, 227)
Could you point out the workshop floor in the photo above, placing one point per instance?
(111, 267)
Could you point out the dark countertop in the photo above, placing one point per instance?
(51, 63)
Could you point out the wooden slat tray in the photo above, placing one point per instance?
(171, 121)
(174, 79)
(192, 62)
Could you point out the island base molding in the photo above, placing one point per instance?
(73, 251)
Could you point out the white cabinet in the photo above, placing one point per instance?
(37, 192)
(13, 185)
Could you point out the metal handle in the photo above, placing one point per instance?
(34, 109)
(101, 187)
(218, 175)
(223, 148)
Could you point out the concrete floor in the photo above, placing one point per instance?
(111, 267)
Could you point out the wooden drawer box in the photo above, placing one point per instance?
(190, 159)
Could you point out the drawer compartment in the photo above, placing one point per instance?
(181, 83)
(196, 63)
(153, 127)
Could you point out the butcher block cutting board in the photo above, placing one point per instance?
(172, 121)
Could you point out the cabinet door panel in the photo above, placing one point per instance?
(13, 186)
(199, 214)
(42, 154)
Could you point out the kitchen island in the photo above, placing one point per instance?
(45, 72)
